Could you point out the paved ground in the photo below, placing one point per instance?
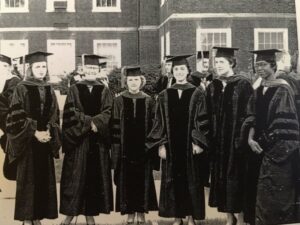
(7, 202)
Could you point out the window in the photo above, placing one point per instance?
(15, 49)
(14, 6)
(162, 48)
(265, 38)
(106, 6)
(51, 5)
(62, 62)
(207, 38)
(162, 2)
(111, 49)
(168, 43)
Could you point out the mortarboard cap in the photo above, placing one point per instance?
(91, 59)
(103, 64)
(198, 74)
(179, 59)
(225, 51)
(6, 59)
(133, 71)
(35, 57)
(202, 54)
(168, 57)
(268, 55)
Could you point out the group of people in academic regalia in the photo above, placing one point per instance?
(206, 128)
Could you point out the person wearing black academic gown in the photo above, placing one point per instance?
(166, 78)
(131, 123)
(6, 92)
(274, 148)
(33, 135)
(227, 98)
(86, 183)
(180, 131)
(201, 77)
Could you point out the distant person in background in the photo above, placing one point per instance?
(86, 182)
(102, 77)
(166, 78)
(33, 135)
(202, 77)
(131, 123)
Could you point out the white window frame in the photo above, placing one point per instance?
(168, 50)
(50, 5)
(283, 30)
(4, 9)
(23, 41)
(72, 42)
(162, 48)
(213, 30)
(117, 41)
(116, 8)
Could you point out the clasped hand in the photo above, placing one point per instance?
(43, 136)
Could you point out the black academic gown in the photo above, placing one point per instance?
(272, 181)
(178, 123)
(162, 83)
(227, 111)
(34, 107)
(132, 121)
(5, 99)
(86, 183)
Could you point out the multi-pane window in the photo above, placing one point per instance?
(14, 5)
(106, 6)
(111, 49)
(207, 38)
(266, 38)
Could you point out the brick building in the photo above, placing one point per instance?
(143, 31)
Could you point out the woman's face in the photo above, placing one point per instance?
(222, 66)
(180, 72)
(264, 69)
(39, 70)
(134, 83)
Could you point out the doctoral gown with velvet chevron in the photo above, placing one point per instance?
(34, 107)
(86, 184)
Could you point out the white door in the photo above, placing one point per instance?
(62, 62)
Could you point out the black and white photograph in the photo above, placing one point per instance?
(149, 112)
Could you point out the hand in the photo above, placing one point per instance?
(255, 146)
(1, 133)
(197, 149)
(162, 152)
(43, 136)
(93, 127)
